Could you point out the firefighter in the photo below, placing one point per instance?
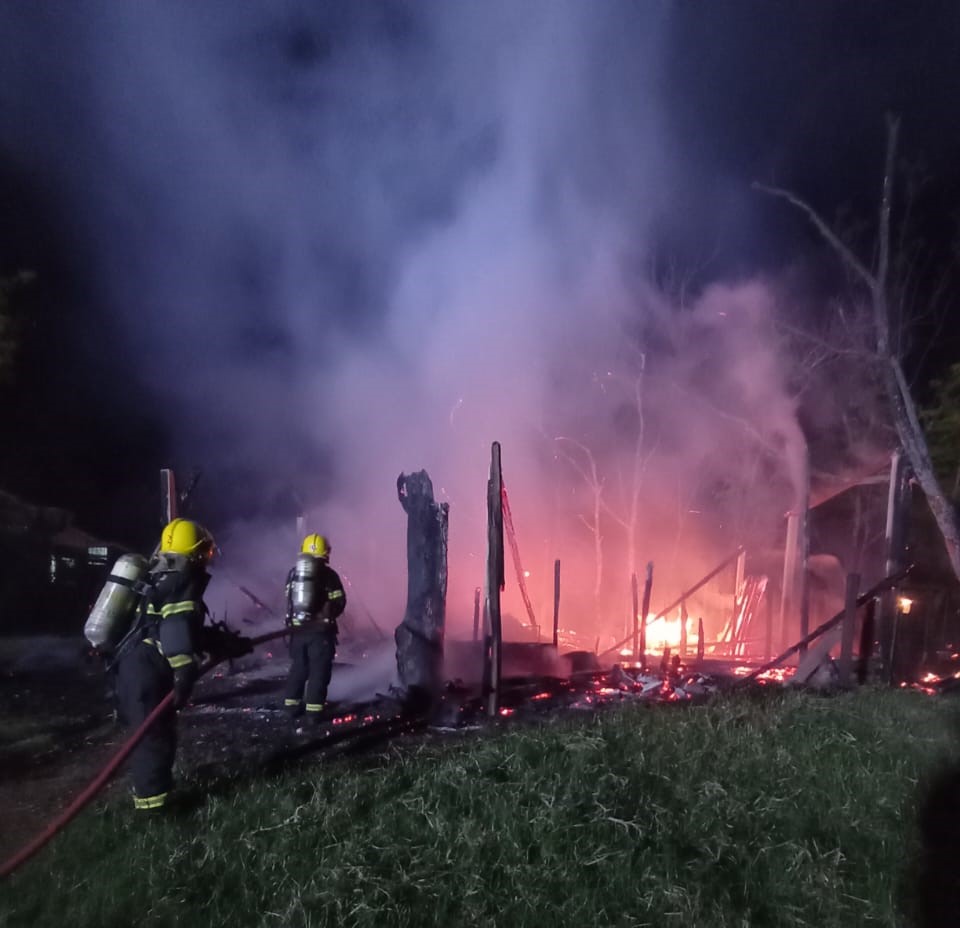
(314, 595)
(163, 652)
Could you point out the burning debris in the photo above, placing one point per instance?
(773, 675)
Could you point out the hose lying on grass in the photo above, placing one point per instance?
(103, 777)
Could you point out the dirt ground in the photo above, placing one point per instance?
(58, 727)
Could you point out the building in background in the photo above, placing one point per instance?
(50, 570)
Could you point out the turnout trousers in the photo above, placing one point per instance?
(143, 678)
(312, 652)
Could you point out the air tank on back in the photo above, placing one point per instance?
(112, 613)
(303, 587)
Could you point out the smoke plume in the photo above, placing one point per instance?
(341, 241)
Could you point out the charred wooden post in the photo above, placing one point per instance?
(476, 614)
(684, 618)
(495, 577)
(789, 589)
(701, 647)
(867, 634)
(419, 636)
(893, 545)
(803, 555)
(768, 643)
(665, 663)
(891, 665)
(644, 611)
(168, 496)
(738, 581)
(849, 629)
(556, 603)
(638, 619)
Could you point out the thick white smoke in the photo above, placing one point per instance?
(345, 241)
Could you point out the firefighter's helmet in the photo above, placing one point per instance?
(182, 536)
(317, 545)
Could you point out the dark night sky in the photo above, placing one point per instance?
(791, 93)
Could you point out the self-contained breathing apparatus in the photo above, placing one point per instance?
(302, 599)
(118, 604)
(119, 614)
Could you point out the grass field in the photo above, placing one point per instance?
(768, 809)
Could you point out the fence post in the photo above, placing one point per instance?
(867, 635)
(644, 611)
(849, 629)
(556, 603)
(495, 575)
(683, 628)
(476, 613)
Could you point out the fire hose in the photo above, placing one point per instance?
(103, 777)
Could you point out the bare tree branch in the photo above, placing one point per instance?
(852, 261)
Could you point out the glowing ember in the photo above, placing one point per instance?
(505, 711)
(904, 604)
(929, 690)
(773, 675)
(777, 674)
(542, 696)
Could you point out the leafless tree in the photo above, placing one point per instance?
(583, 461)
(887, 305)
(627, 514)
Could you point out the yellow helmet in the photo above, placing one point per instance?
(315, 544)
(181, 536)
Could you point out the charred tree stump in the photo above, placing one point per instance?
(637, 618)
(701, 646)
(419, 636)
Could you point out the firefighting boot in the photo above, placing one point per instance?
(313, 718)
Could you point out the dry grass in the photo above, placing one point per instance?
(762, 810)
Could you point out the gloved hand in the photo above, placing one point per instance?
(183, 680)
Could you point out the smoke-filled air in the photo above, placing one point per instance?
(345, 241)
